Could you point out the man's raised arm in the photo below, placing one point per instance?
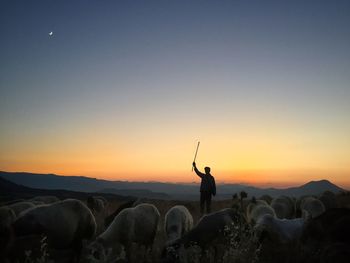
(197, 171)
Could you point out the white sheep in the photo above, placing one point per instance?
(257, 209)
(178, 221)
(132, 225)
(279, 230)
(284, 207)
(65, 224)
(253, 203)
(312, 207)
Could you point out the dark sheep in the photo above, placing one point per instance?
(47, 199)
(328, 199)
(211, 231)
(324, 231)
(7, 217)
(65, 224)
(284, 207)
(20, 207)
(109, 219)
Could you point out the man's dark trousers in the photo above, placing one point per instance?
(205, 200)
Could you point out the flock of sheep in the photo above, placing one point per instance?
(283, 229)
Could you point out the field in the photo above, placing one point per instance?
(239, 246)
(239, 252)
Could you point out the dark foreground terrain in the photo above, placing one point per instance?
(240, 234)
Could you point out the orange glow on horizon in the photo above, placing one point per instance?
(255, 153)
(264, 179)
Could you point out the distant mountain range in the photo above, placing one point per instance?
(10, 190)
(156, 190)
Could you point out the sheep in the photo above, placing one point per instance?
(65, 224)
(48, 199)
(311, 206)
(254, 202)
(36, 203)
(210, 231)
(284, 207)
(7, 217)
(266, 198)
(298, 212)
(109, 219)
(132, 225)
(326, 235)
(328, 199)
(178, 221)
(19, 207)
(258, 208)
(12, 202)
(277, 239)
(337, 251)
(104, 200)
(95, 204)
(280, 230)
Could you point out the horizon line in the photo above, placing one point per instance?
(262, 185)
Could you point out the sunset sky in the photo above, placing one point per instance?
(123, 90)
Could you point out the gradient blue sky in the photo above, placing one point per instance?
(125, 88)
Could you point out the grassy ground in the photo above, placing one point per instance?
(242, 251)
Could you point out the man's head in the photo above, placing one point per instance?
(207, 170)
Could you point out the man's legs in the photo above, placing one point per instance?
(202, 200)
(208, 202)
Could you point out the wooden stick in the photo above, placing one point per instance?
(195, 156)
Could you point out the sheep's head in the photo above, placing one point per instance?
(172, 251)
(264, 229)
(170, 254)
(96, 252)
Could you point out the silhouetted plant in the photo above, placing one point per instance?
(243, 194)
(44, 255)
(254, 200)
(235, 202)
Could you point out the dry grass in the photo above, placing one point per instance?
(239, 247)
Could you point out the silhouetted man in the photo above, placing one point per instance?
(207, 189)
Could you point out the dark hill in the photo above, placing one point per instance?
(156, 190)
(10, 190)
(137, 193)
(313, 187)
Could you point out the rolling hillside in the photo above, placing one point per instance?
(10, 190)
(156, 190)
